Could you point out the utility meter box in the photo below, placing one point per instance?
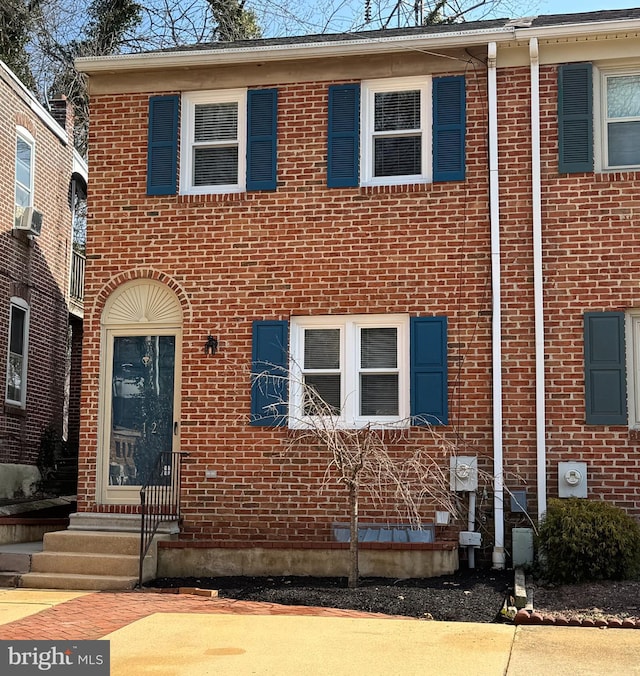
(522, 546)
(470, 538)
(572, 479)
(463, 473)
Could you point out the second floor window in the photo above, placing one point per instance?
(621, 113)
(24, 168)
(213, 142)
(396, 119)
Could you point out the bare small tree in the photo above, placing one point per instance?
(365, 460)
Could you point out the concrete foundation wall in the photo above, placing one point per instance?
(262, 561)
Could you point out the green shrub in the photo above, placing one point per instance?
(581, 540)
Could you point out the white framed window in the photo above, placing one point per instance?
(396, 130)
(619, 127)
(351, 368)
(16, 389)
(25, 156)
(632, 341)
(213, 142)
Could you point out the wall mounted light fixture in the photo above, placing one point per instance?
(211, 346)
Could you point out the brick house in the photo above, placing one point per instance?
(431, 225)
(42, 177)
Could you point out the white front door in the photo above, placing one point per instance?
(140, 386)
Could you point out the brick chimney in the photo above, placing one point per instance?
(62, 112)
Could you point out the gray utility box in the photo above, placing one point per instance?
(522, 546)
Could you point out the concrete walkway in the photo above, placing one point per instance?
(189, 635)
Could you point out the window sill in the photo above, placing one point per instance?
(394, 189)
(617, 175)
(15, 410)
(212, 198)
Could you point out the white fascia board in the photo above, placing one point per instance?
(191, 58)
(32, 102)
(579, 30)
(80, 165)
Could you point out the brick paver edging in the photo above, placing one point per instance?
(96, 615)
(526, 617)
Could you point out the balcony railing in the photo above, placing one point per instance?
(76, 283)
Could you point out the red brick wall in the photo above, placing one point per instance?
(303, 249)
(591, 263)
(37, 272)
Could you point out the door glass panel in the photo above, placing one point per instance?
(142, 389)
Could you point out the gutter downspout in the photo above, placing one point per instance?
(498, 557)
(536, 198)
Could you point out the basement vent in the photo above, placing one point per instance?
(386, 533)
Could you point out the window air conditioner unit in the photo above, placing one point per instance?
(28, 220)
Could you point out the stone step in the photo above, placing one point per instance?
(79, 582)
(94, 542)
(9, 579)
(90, 564)
(15, 562)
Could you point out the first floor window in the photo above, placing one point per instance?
(633, 367)
(621, 119)
(352, 368)
(213, 142)
(17, 358)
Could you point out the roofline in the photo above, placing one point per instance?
(36, 107)
(355, 47)
(309, 50)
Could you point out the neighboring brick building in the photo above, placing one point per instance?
(41, 176)
(430, 219)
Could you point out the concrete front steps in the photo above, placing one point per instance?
(15, 559)
(95, 560)
(99, 551)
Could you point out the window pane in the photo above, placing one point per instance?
(379, 394)
(398, 156)
(624, 144)
(322, 349)
(14, 380)
(378, 348)
(23, 173)
(23, 155)
(16, 341)
(215, 166)
(322, 392)
(623, 96)
(23, 197)
(397, 110)
(216, 122)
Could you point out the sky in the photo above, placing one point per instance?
(571, 6)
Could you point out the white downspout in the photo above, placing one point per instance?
(541, 451)
(498, 557)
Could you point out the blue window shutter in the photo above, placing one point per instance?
(575, 118)
(262, 115)
(162, 145)
(449, 126)
(604, 368)
(343, 152)
(429, 400)
(269, 373)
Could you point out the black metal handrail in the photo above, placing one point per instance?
(159, 499)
